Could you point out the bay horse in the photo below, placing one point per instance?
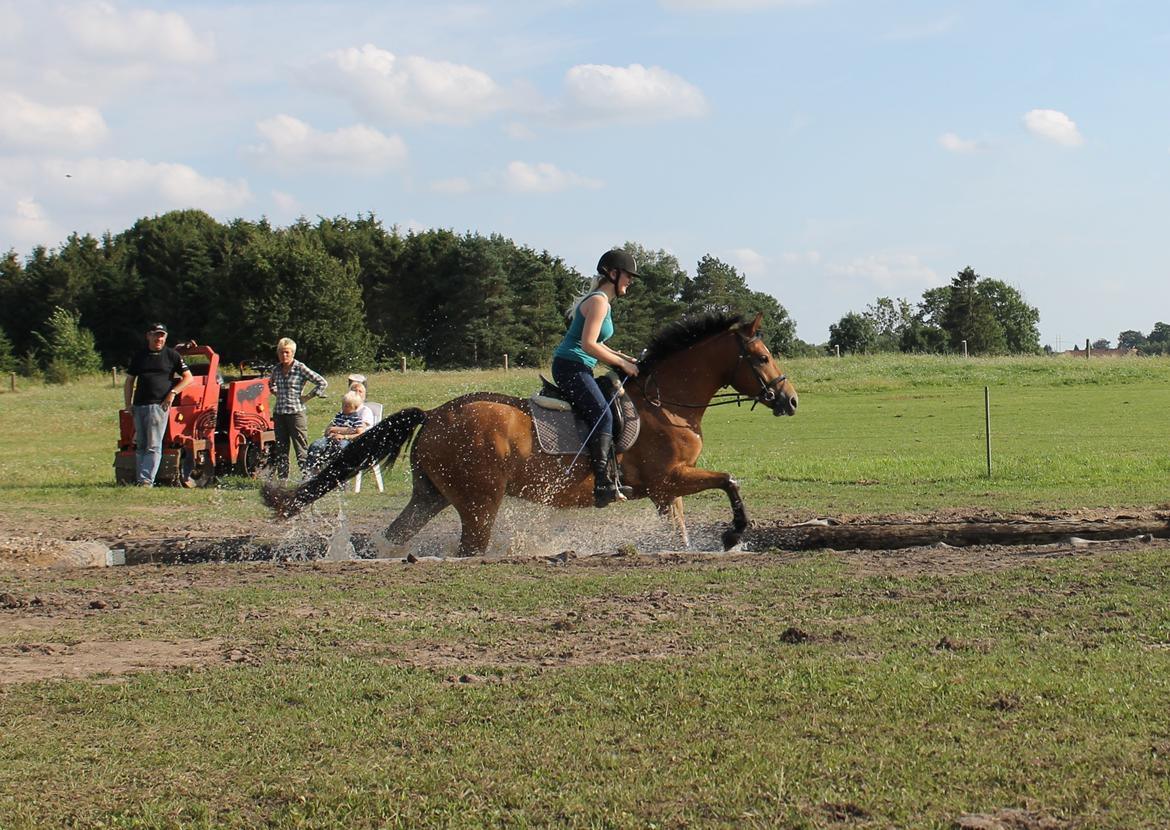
(472, 451)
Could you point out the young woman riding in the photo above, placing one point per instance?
(591, 324)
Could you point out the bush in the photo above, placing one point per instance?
(67, 350)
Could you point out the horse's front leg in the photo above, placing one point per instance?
(686, 481)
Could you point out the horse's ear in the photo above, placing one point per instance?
(754, 328)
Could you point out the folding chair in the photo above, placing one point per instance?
(375, 408)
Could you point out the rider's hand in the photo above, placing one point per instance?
(630, 368)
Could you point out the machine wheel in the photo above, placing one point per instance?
(250, 459)
(195, 469)
(124, 473)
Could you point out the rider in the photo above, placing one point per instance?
(591, 324)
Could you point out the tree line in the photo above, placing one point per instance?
(988, 315)
(356, 295)
(353, 294)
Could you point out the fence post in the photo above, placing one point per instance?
(12, 381)
(987, 424)
(114, 377)
(837, 349)
(1088, 349)
(505, 361)
(403, 367)
(964, 348)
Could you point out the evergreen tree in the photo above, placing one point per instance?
(652, 301)
(970, 317)
(284, 284)
(7, 355)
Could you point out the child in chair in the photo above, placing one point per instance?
(345, 426)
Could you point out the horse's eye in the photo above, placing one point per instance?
(762, 360)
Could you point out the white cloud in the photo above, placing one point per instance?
(100, 28)
(519, 131)
(143, 185)
(801, 257)
(1054, 126)
(887, 271)
(290, 143)
(11, 24)
(29, 125)
(287, 205)
(955, 144)
(542, 177)
(456, 186)
(24, 225)
(732, 5)
(412, 89)
(596, 93)
(749, 261)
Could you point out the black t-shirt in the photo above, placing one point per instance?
(155, 372)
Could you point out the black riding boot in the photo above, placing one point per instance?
(606, 488)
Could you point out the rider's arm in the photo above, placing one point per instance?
(594, 309)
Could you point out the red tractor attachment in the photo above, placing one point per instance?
(213, 428)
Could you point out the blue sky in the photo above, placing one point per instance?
(834, 151)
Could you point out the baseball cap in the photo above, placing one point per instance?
(157, 327)
(356, 378)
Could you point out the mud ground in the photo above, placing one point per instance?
(42, 624)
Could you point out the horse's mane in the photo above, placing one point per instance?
(684, 333)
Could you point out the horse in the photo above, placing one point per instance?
(473, 450)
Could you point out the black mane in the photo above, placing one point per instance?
(684, 333)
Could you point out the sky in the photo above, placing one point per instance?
(834, 151)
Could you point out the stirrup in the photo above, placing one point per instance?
(607, 494)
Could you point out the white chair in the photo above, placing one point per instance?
(376, 409)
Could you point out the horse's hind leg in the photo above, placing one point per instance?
(425, 503)
(673, 508)
(478, 517)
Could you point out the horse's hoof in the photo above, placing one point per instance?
(384, 548)
(731, 539)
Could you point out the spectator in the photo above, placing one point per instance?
(154, 379)
(345, 426)
(289, 420)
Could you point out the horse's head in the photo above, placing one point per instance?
(756, 374)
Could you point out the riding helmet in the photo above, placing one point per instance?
(617, 258)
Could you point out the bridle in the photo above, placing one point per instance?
(767, 394)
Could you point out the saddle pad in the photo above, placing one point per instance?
(563, 433)
(559, 433)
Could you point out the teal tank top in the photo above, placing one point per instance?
(570, 348)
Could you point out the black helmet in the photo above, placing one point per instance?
(617, 258)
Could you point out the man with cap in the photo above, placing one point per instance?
(154, 379)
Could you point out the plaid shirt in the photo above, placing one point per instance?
(288, 388)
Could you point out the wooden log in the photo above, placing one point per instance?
(893, 535)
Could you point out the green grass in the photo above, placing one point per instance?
(874, 435)
(625, 693)
(609, 697)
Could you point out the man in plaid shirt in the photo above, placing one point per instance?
(289, 419)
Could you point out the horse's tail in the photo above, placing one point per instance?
(381, 443)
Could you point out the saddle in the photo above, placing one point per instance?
(560, 432)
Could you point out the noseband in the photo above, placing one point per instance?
(768, 388)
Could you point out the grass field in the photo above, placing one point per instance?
(874, 435)
(821, 690)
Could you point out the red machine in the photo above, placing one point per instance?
(213, 428)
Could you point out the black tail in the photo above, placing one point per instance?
(381, 443)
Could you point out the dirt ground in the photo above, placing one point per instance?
(597, 632)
